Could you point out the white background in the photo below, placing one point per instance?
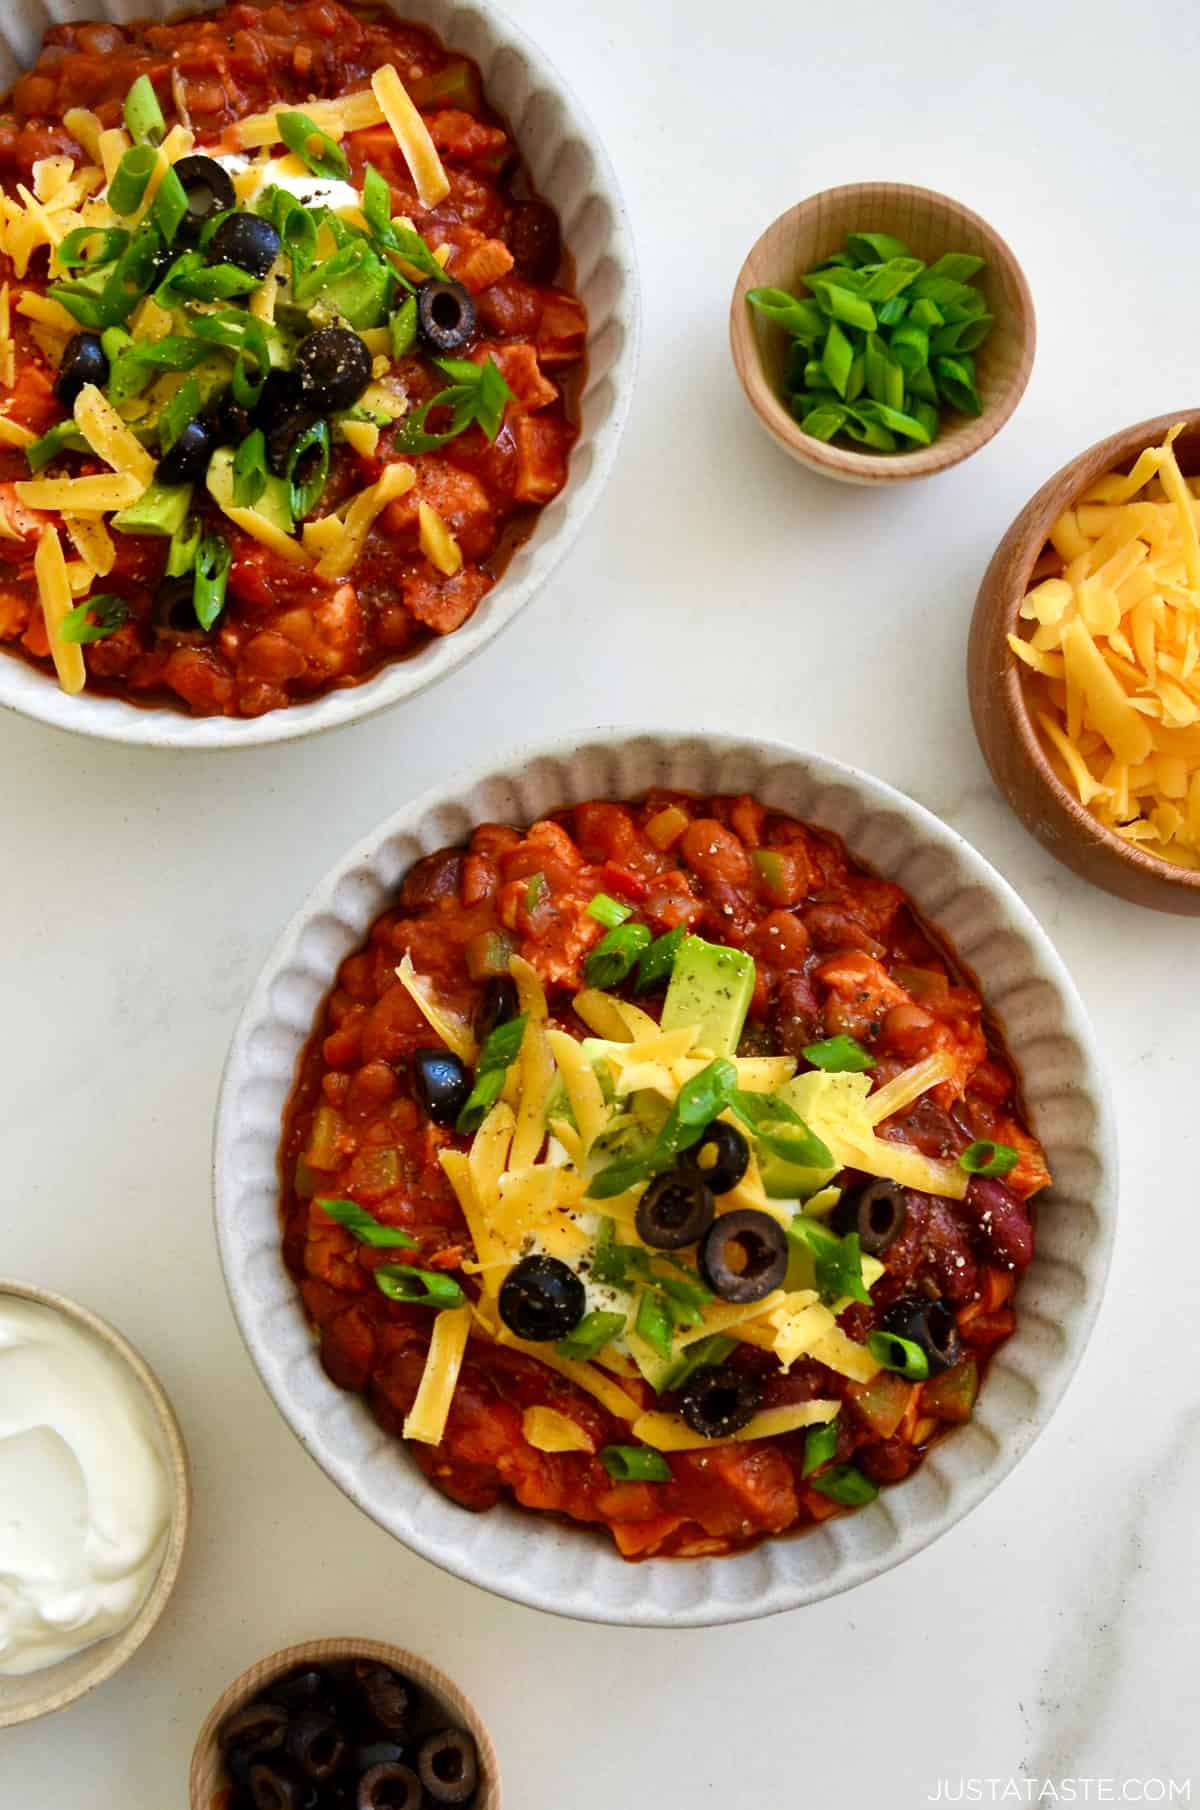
(716, 586)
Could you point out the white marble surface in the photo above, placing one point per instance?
(715, 586)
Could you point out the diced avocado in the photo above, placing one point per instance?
(161, 509)
(711, 987)
(789, 1181)
(271, 503)
(362, 296)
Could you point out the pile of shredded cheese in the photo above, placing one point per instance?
(1113, 654)
(523, 1188)
(64, 198)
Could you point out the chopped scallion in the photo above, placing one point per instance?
(365, 1227)
(635, 1464)
(608, 911)
(319, 153)
(904, 1356)
(143, 115)
(423, 1288)
(989, 1159)
(839, 1056)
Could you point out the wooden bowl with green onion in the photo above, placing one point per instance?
(931, 226)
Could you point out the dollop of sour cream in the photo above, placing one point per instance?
(84, 1495)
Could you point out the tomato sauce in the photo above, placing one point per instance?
(285, 635)
(837, 950)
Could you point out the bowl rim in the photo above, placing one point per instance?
(252, 1310)
(114, 1650)
(1029, 532)
(27, 691)
(329, 1649)
(878, 468)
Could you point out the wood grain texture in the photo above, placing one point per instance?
(1010, 744)
(207, 1786)
(40, 1693)
(931, 224)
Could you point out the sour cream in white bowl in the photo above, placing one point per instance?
(94, 1501)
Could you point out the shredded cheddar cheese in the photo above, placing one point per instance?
(109, 438)
(54, 592)
(412, 135)
(1110, 654)
(443, 1362)
(549, 1431)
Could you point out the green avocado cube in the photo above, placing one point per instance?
(711, 986)
(161, 509)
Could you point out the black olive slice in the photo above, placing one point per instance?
(541, 1299)
(316, 1743)
(255, 1728)
(246, 240)
(333, 368)
(83, 362)
(720, 1158)
(173, 617)
(274, 1786)
(389, 1787)
(675, 1210)
(186, 459)
(879, 1213)
(744, 1255)
(929, 1324)
(445, 316)
(500, 1002)
(209, 190)
(448, 1763)
(443, 1084)
(717, 1401)
(389, 1700)
(283, 434)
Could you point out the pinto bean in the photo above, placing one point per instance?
(715, 853)
(1005, 1231)
(432, 878)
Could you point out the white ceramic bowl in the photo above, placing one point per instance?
(573, 1571)
(55, 1686)
(571, 169)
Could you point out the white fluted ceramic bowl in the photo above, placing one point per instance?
(570, 168)
(573, 1571)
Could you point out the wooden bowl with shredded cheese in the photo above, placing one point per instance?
(932, 225)
(1084, 664)
(208, 1786)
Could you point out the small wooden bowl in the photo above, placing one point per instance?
(38, 1693)
(1010, 744)
(207, 1785)
(931, 224)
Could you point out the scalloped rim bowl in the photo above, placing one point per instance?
(34, 1694)
(204, 1777)
(573, 1571)
(570, 167)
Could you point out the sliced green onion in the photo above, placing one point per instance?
(820, 1445)
(956, 382)
(836, 1261)
(904, 1356)
(839, 1056)
(593, 1333)
(365, 1227)
(66, 437)
(615, 955)
(655, 963)
(176, 412)
(635, 1464)
(712, 1350)
(246, 337)
(500, 1050)
(308, 468)
(845, 1484)
(133, 363)
(876, 248)
(781, 1130)
(376, 202)
(315, 149)
(183, 547)
(170, 205)
(423, 1288)
(250, 469)
(837, 358)
(143, 115)
(90, 246)
(535, 891)
(986, 1158)
(822, 421)
(94, 619)
(654, 1323)
(213, 560)
(802, 319)
(130, 178)
(403, 327)
(608, 911)
(130, 278)
(608, 1261)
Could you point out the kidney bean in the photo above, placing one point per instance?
(1004, 1229)
(796, 1019)
(430, 879)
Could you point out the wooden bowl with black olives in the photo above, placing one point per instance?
(344, 1725)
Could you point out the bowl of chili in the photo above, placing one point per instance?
(361, 341)
(331, 1023)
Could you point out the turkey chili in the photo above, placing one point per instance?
(655, 1167)
(288, 353)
